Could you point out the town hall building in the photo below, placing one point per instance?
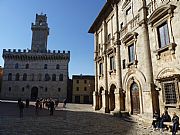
(38, 72)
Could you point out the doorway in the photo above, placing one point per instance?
(135, 102)
(34, 93)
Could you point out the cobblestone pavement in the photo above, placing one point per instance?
(75, 119)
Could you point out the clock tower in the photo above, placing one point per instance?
(40, 32)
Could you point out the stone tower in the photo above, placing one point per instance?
(40, 32)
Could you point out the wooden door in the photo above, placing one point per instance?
(135, 104)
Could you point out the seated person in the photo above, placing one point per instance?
(175, 121)
(156, 119)
(164, 118)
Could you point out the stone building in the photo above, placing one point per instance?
(1, 76)
(136, 56)
(83, 87)
(69, 91)
(37, 72)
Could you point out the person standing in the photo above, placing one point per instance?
(37, 106)
(51, 107)
(64, 102)
(175, 121)
(21, 107)
(19, 100)
(27, 103)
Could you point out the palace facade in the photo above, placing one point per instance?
(137, 64)
(38, 72)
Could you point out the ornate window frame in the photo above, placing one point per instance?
(129, 39)
(100, 60)
(111, 52)
(175, 78)
(10, 77)
(161, 15)
(100, 69)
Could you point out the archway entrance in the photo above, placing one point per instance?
(135, 103)
(100, 97)
(34, 93)
(112, 98)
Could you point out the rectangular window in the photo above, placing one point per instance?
(128, 11)
(77, 88)
(109, 37)
(131, 53)
(99, 47)
(112, 63)
(61, 77)
(100, 69)
(77, 81)
(121, 25)
(170, 93)
(124, 64)
(59, 89)
(85, 81)
(163, 35)
(85, 89)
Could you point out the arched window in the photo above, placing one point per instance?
(22, 89)
(24, 77)
(61, 77)
(16, 66)
(53, 77)
(17, 77)
(39, 77)
(46, 89)
(10, 77)
(45, 66)
(57, 66)
(27, 66)
(32, 77)
(47, 77)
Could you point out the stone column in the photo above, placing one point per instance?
(105, 103)
(95, 94)
(119, 100)
(105, 92)
(148, 97)
(95, 100)
(105, 98)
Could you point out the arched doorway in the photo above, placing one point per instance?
(34, 93)
(135, 103)
(112, 98)
(100, 97)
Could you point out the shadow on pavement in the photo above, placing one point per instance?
(63, 122)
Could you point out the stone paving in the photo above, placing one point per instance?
(75, 119)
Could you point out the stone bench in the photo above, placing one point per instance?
(169, 125)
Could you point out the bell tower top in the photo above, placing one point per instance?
(40, 32)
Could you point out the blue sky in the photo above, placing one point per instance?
(68, 20)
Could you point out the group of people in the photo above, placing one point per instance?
(39, 104)
(49, 103)
(158, 121)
